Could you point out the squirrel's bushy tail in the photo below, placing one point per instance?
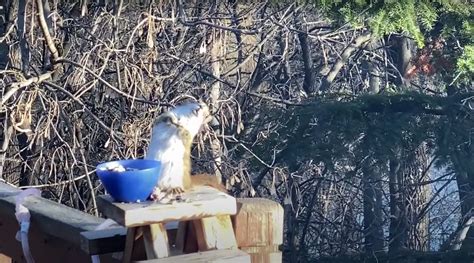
(209, 180)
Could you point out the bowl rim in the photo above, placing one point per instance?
(139, 159)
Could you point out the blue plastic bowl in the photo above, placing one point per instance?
(135, 184)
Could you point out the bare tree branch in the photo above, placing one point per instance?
(344, 57)
(46, 31)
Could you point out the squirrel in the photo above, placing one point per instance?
(172, 136)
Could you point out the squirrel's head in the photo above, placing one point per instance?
(191, 116)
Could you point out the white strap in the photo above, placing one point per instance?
(23, 217)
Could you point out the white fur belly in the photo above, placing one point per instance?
(167, 147)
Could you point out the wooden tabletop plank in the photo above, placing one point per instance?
(200, 202)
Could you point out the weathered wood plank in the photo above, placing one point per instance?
(215, 233)
(200, 202)
(103, 241)
(215, 256)
(113, 240)
(266, 254)
(52, 218)
(258, 222)
(155, 239)
(44, 247)
(64, 223)
(259, 229)
(6, 189)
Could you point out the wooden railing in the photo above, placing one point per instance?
(61, 234)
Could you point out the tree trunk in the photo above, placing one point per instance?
(290, 208)
(408, 197)
(216, 56)
(464, 165)
(411, 194)
(398, 225)
(373, 70)
(416, 197)
(22, 59)
(21, 25)
(302, 251)
(372, 198)
(403, 52)
(372, 181)
(3, 30)
(465, 182)
(308, 83)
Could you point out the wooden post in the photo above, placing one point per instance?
(258, 228)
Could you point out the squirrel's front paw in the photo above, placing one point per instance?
(157, 194)
(175, 191)
(167, 195)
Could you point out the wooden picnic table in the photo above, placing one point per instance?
(205, 208)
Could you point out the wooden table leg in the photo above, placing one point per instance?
(215, 233)
(156, 241)
(186, 238)
(129, 242)
(183, 230)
